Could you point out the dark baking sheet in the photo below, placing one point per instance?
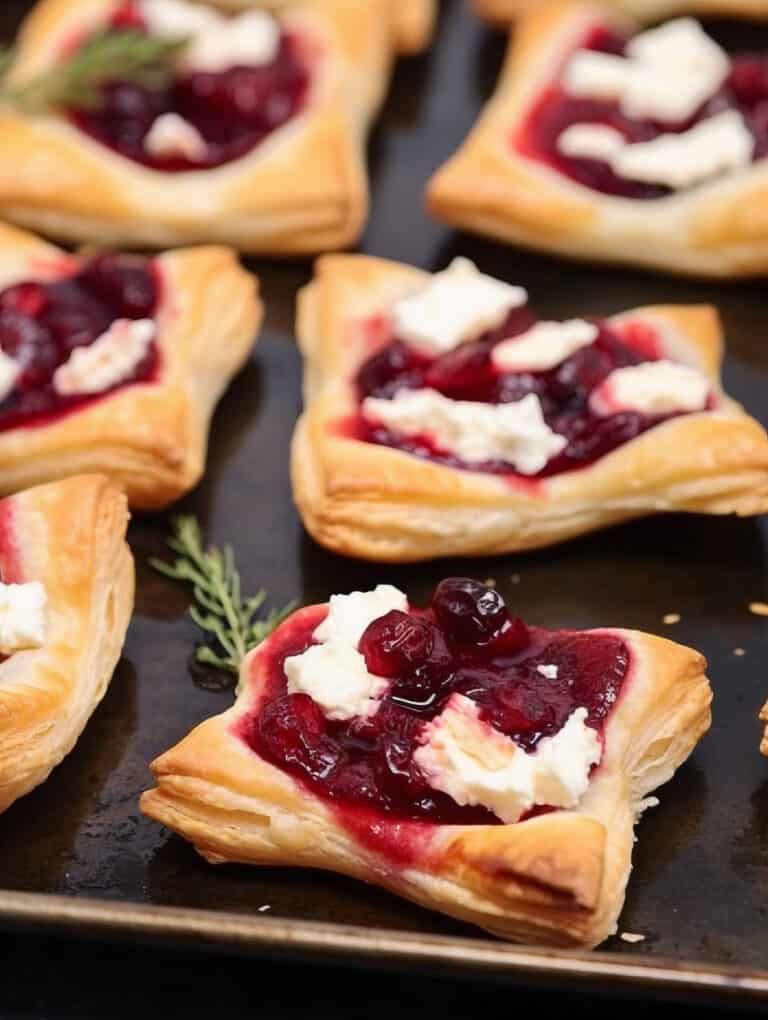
(699, 890)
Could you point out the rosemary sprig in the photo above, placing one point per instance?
(107, 56)
(220, 609)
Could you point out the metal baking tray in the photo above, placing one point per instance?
(76, 854)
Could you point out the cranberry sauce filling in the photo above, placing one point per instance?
(745, 90)
(466, 642)
(468, 373)
(42, 323)
(233, 110)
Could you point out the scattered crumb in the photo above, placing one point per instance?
(759, 608)
(631, 936)
(265, 908)
(739, 651)
(490, 582)
(671, 618)
(647, 802)
(515, 579)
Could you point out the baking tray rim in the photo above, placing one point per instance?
(184, 927)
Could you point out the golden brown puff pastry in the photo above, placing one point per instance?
(151, 438)
(764, 741)
(414, 20)
(70, 537)
(555, 879)
(717, 229)
(378, 503)
(304, 189)
(504, 11)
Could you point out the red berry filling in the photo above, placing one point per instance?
(468, 642)
(745, 90)
(468, 373)
(233, 110)
(42, 323)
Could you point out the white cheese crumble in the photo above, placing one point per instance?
(10, 370)
(22, 616)
(349, 615)
(335, 676)
(172, 135)
(668, 74)
(457, 305)
(550, 672)
(475, 432)
(718, 145)
(591, 141)
(654, 387)
(111, 358)
(544, 346)
(476, 765)
(334, 673)
(217, 42)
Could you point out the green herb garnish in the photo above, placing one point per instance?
(220, 610)
(78, 80)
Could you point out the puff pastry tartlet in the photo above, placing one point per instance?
(602, 143)
(443, 419)
(114, 364)
(413, 20)
(257, 142)
(65, 602)
(454, 756)
(502, 12)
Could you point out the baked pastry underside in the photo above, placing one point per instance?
(150, 438)
(555, 879)
(715, 229)
(374, 502)
(304, 189)
(69, 536)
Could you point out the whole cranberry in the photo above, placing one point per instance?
(472, 613)
(293, 729)
(128, 285)
(394, 367)
(28, 298)
(396, 644)
(464, 374)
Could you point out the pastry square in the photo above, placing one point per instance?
(454, 756)
(115, 364)
(602, 144)
(414, 20)
(370, 483)
(501, 12)
(67, 599)
(268, 158)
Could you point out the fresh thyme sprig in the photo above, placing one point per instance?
(220, 609)
(77, 81)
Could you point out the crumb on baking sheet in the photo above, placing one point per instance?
(739, 651)
(515, 579)
(490, 582)
(759, 608)
(632, 937)
(671, 618)
(264, 908)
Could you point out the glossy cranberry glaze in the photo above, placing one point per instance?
(234, 110)
(468, 373)
(42, 323)
(466, 642)
(745, 90)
